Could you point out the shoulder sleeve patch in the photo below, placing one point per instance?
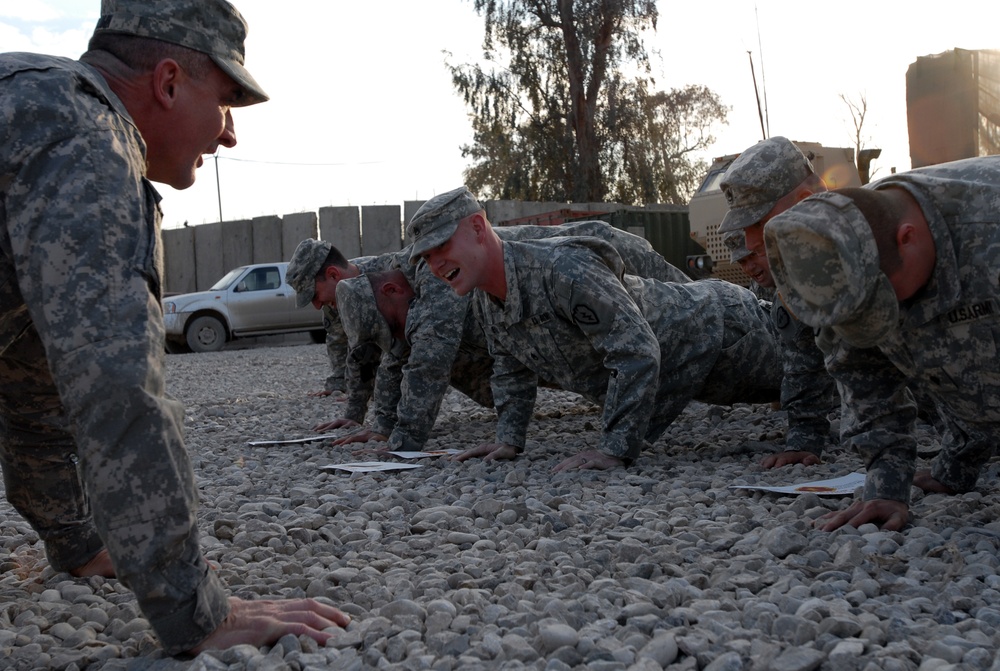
(584, 314)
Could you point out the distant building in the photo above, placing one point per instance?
(953, 106)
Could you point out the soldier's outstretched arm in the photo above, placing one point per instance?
(592, 298)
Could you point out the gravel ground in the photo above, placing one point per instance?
(509, 566)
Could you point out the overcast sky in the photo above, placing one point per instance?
(362, 109)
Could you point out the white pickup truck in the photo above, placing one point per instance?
(249, 301)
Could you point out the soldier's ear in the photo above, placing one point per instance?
(478, 225)
(166, 77)
(906, 235)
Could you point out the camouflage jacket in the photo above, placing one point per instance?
(808, 393)
(946, 343)
(641, 348)
(356, 366)
(413, 379)
(636, 252)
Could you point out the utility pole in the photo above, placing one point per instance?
(218, 187)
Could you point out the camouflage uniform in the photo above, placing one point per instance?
(360, 365)
(808, 393)
(363, 323)
(336, 351)
(90, 444)
(437, 353)
(639, 256)
(756, 180)
(413, 377)
(943, 339)
(641, 348)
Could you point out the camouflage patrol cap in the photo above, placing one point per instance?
(760, 177)
(436, 220)
(307, 259)
(736, 243)
(359, 314)
(213, 27)
(826, 265)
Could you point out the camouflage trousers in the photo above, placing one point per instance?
(116, 477)
(38, 453)
(749, 367)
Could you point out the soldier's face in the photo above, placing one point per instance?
(200, 121)
(460, 260)
(326, 292)
(756, 267)
(754, 236)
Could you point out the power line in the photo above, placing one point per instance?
(313, 165)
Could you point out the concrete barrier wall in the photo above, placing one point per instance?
(381, 229)
(267, 239)
(196, 257)
(237, 244)
(342, 227)
(208, 263)
(296, 228)
(178, 269)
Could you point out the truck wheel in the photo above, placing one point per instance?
(206, 334)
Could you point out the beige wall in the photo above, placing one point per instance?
(196, 257)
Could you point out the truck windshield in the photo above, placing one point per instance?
(227, 279)
(712, 179)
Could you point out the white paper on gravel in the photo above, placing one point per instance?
(368, 466)
(292, 441)
(373, 466)
(841, 486)
(402, 454)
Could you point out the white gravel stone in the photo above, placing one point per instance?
(477, 565)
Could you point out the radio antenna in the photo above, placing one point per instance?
(763, 80)
(756, 93)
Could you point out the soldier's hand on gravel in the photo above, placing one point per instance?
(339, 423)
(100, 565)
(362, 436)
(589, 460)
(264, 622)
(929, 484)
(789, 457)
(321, 392)
(488, 451)
(890, 515)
